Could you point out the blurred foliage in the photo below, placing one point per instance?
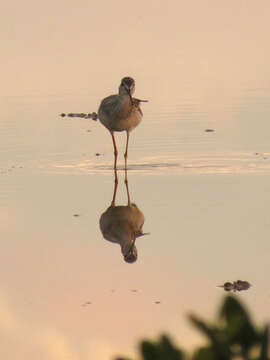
(233, 337)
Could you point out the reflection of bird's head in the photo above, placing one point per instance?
(132, 255)
(127, 86)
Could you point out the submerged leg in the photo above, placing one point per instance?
(126, 182)
(115, 187)
(126, 152)
(115, 149)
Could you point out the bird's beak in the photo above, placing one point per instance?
(142, 234)
(128, 91)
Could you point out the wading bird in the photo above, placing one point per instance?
(121, 112)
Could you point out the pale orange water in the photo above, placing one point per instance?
(205, 195)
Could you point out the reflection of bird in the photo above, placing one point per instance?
(122, 225)
(121, 113)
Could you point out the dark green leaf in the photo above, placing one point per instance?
(239, 328)
(168, 351)
(264, 355)
(219, 347)
(149, 350)
(205, 353)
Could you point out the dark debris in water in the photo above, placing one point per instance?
(261, 155)
(87, 303)
(157, 302)
(238, 285)
(92, 115)
(76, 215)
(10, 169)
(209, 130)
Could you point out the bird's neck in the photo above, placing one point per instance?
(124, 91)
(125, 103)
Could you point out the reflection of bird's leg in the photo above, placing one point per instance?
(126, 152)
(126, 182)
(115, 177)
(115, 149)
(126, 179)
(115, 187)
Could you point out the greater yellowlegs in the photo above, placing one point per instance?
(121, 112)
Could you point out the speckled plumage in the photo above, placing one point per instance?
(117, 113)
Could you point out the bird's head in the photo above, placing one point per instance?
(127, 86)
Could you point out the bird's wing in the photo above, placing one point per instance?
(109, 105)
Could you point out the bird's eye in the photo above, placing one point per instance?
(127, 82)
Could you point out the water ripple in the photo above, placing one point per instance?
(240, 163)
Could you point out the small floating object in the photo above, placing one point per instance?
(209, 130)
(63, 114)
(157, 302)
(76, 215)
(238, 285)
(262, 155)
(87, 303)
(98, 154)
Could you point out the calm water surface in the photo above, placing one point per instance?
(66, 293)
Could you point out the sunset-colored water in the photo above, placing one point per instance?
(66, 292)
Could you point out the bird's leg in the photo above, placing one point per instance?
(115, 151)
(126, 152)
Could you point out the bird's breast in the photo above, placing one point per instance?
(118, 114)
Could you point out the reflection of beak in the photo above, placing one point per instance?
(133, 242)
